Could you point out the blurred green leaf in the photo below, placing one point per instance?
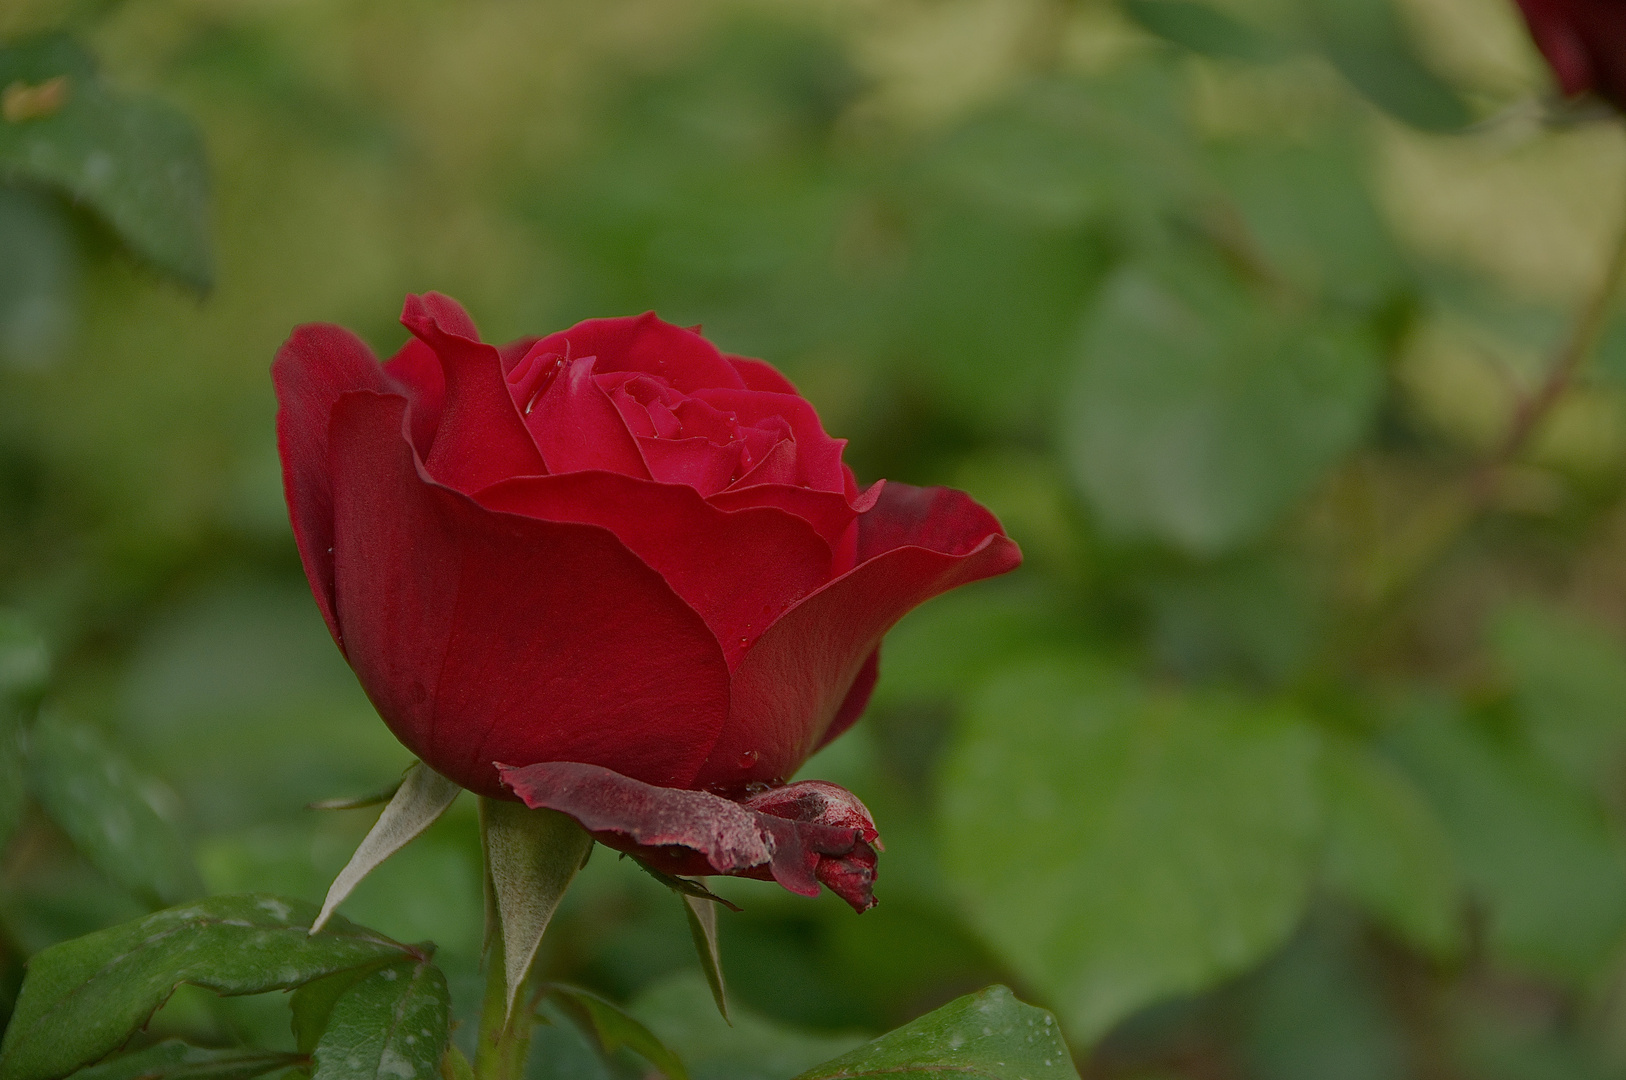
(175, 1060)
(136, 161)
(1366, 42)
(389, 1025)
(85, 997)
(25, 662)
(1539, 854)
(1205, 30)
(1307, 207)
(1119, 845)
(1569, 681)
(39, 277)
(1318, 1010)
(13, 784)
(1387, 851)
(679, 1010)
(988, 1034)
(1202, 409)
(612, 1027)
(123, 822)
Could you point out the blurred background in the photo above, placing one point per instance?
(1297, 747)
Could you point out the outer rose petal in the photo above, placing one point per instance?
(856, 701)
(787, 692)
(481, 438)
(482, 636)
(315, 365)
(646, 343)
(799, 835)
(738, 570)
(760, 376)
(1584, 41)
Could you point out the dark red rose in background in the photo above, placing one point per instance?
(1584, 41)
(614, 546)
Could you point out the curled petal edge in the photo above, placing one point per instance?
(801, 835)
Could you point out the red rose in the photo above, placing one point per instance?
(614, 546)
(1585, 43)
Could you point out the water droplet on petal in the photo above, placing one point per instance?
(749, 759)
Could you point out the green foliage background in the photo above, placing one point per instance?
(1296, 748)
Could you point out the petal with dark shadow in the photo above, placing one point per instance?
(913, 544)
(317, 364)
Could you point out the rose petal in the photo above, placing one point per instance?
(818, 456)
(315, 365)
(830, 514)
(484, 636)
(481, 438)
(856, 701)
(418, 370)
(646, 343)
(913, 544)
(738, 569)
(801, 835)
(574, 424)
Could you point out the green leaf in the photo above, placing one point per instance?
(422, 797)
(987, 1034)
(613, 1028)
(120, 820)
(13, 784)
(1204, 29)
(1201, 410)
(312, 1005)
(83, 998)
(702, 915)
(25, 662)
(39, 279)
(1365, 41)
(532, 856)
(1569, 683)
(680, 1012)
(175, 1060)
(1308, 211)
(389, 1025)
(1540, 855)
(1119, 845)
(1387, 851)
(136, 161)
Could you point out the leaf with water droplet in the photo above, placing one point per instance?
(84, 998)
(989, 1034)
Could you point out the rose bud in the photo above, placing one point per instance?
(1584, 42)
(613, 546)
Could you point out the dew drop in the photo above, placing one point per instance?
(749, 759)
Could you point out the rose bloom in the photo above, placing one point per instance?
(614, 545)
(1584, 42)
